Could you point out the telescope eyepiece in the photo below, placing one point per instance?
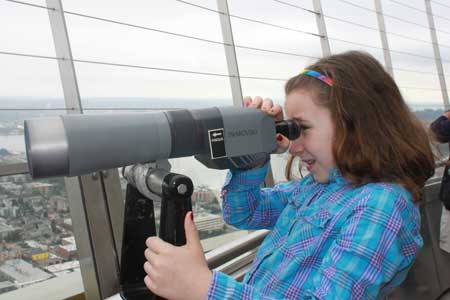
(288, 128)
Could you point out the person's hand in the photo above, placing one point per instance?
(276, 111)
(177, 272)
(447, 114)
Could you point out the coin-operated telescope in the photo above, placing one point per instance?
(219, 137)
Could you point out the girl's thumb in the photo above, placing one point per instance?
(192, 237)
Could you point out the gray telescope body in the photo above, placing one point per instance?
(221, 138)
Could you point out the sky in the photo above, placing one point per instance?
(25, 29)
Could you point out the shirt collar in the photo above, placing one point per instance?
(334, 177)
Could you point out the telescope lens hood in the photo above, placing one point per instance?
(46, 147)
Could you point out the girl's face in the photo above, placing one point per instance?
(314, 146)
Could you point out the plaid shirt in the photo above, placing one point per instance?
(327, 241)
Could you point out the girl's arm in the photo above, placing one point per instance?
(441, 128)
(248, 206)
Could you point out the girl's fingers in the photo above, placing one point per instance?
(148, 268)
(266, 104)
(256, 102)
(150, 284)
(247, 101)
(150, 256)
(277, 112)
(157, 245)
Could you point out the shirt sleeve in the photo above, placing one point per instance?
(376, 247)
(248, 206)
(441, 128)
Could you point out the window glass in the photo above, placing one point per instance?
(148, 63)
(23, 96)
(36, 238)
(140, 54)
(266, 61)
(36, 234)
(352, 25)
(413, 58)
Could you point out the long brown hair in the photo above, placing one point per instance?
(377, 138)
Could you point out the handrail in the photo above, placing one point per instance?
(235, 248)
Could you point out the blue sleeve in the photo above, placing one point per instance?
(248, 206)
(441, 128)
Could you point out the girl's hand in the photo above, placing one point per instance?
(275, 111)
(177, 272)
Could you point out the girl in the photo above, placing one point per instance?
(348, 230)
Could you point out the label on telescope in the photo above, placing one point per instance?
(217, 143)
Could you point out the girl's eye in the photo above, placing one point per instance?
(303, 127)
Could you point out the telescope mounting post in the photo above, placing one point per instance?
(149, 184)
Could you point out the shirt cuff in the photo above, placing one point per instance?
(213, 285)
(220, 286)
(237, 179)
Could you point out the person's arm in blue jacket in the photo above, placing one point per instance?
(441, 128)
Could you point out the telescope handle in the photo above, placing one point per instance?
(175, 191)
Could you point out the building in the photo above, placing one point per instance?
(42, 258)
(11, 188)
(68, 250)
(66, 223)
(5, 212)
(36, 228)
(36, 245)
(63, 268)
(41, 187)
(207, 199)
(33, 200)
(23, 273)
(59, 203)
(209, 222)
(36, 252)
(6, 286)
(6, 230)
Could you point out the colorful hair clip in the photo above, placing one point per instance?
(319, 76)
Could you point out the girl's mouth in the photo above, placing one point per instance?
(309, 163)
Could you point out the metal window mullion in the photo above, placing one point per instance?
(230, 52)
(86, 195)
(437, 54)
(115, 206)
(233, 69)
(322, 28)
(383, 36)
